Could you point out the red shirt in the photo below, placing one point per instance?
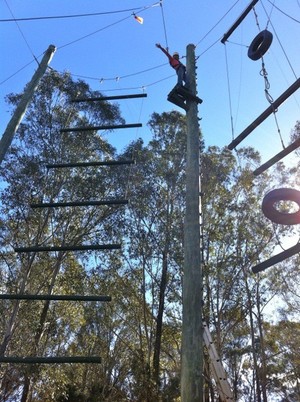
(173, 62)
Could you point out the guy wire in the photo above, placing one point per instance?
(282, 48)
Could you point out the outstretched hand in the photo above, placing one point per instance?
(158, 45)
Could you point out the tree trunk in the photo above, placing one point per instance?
(254, 353)
(263, 371)
(26, 388)
(159, 320)
(39, 332)
(12, 321)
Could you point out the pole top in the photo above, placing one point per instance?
(51, 48)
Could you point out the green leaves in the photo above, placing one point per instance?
(138, 334)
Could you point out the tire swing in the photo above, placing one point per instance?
(275, 196)
(260, 45)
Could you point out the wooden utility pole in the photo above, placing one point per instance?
(192, 329)
(16, 119)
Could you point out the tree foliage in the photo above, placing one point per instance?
(138, 334)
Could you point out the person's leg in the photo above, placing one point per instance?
(180, 74)
(182, 77)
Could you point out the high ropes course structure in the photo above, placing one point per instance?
(257, 49)
(72, 203)
(187, 100)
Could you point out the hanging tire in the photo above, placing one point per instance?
(281, 194)
(260, 45)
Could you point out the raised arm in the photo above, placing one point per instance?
(164, 50)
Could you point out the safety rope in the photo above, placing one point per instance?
(256, 18)
(284, 13)
(264, 74)
(164, 22)
(229, 93)
(269, 15)
(131, 175)
(269, 97)
(282, 48)
(22, 34)
(216, 24)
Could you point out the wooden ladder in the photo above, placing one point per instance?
(218, 371)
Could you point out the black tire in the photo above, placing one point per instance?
(281, 194)
(260, 45)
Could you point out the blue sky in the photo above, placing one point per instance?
(115, 45)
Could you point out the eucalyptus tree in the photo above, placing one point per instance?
(154, 228)
(138, 334)
(236, 236)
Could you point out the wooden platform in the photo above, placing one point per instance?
(179, 95)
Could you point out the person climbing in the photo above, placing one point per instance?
(176, 64)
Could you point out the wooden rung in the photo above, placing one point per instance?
(68, 248)
(78, 203)
(89, 164)
(50, 360)
(218, 371)
(290, 148)
(55, 297)
(277, 258)
(96, 128)
(239, 20)
(104, 98)
(265, 114)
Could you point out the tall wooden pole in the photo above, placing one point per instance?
(16, 119)
(192, 330)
